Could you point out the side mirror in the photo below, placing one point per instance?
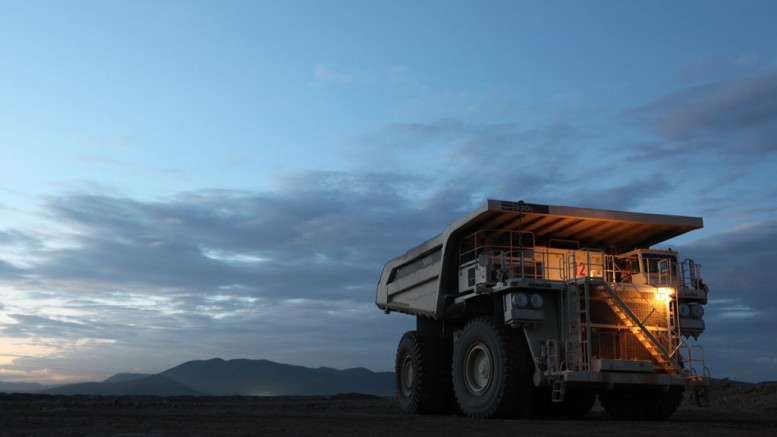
(483, 260)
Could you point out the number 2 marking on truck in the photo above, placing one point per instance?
(582, 269)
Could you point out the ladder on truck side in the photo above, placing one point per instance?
(576, 301)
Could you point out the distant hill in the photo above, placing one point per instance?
(266, 378)
(727, 382)
(147, 385)
(121, 377)
(218, 377)
(21, 387)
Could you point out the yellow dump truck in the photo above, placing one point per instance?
(526, 309)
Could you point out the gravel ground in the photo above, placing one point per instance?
(734, 410)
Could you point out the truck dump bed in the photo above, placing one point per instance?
(419, 281)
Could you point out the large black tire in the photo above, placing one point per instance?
(422, 372)
(492, 371)
(651, 404)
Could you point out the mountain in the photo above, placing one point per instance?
(266, 378)
(121, 377)
(146, 385)
(218, 377)
(234, 377)
(21, 387)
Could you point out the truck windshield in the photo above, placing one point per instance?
(659, 263)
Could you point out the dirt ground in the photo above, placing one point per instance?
(733, 411)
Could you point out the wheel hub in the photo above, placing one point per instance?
(408, 376)
(478, 369)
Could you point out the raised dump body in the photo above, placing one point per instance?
(523, 307)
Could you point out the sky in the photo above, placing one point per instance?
(185, 180)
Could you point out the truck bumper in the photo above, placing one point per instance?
(612, 379)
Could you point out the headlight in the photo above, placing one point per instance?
(663, 293)
(697, 311)
(536, 301)
(520, 300)
(685, 310)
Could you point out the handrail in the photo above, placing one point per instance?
(524, 263)
(694, 365)
(627, 310)
(690, 275)
(590, 267)
(492, 240)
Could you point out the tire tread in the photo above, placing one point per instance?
(433, 391)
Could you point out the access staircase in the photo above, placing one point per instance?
(652, 344)
(661, 345)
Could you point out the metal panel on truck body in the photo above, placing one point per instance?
(414, 290)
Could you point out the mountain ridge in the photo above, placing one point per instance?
(246, 377)
(158, 385)
(267, 378)
(219, 377)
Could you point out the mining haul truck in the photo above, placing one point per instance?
(536, 309)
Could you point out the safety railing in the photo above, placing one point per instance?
(586, 263)
(690, 275)
(493, 242)
(525, 263)
(693, 360)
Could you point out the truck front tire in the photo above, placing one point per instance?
(422, 372)
(492, 371)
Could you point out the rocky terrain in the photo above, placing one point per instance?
(734, 409)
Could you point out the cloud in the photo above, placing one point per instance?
(628, 195)
(736, 117)
(290, 275)
(739, 262)
(558, 162)
(304, 283)
(741, 316)
(718, 142)
(326, 228)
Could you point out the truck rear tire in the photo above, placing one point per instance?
(422, 373)
(492, 371)
(654, 404)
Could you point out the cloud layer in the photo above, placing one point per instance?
(115, 282)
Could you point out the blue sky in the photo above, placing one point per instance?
(186, 180)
